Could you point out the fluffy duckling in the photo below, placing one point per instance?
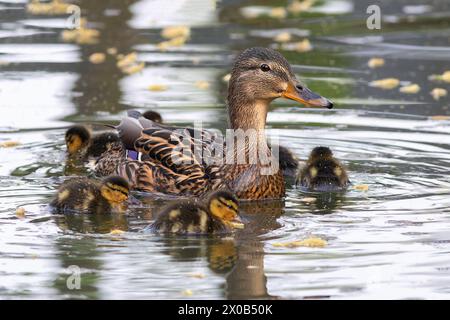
(81, 143)
(220, 215)
(323, 172)
(89, 196)
(153, 116)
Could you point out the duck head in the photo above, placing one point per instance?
(225, 206)
(77, 138)
(259, 76)
(115, 189)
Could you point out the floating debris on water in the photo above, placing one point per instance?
(9, 144)
(438, 93)
(313, 242)
(187, 292)
(412, 88)
(20, 212)
(116, 232)
(439, 117)
(308, 199)
(157, 87)
(226, 78)
(301, 46)
(440, 77)
(111, 51)
(197, 275)
(81, 35)
(388, 83)
(135, 68)
(202, 84)
(278, 13)
(55, 7)
(375, 63)
(175, 32)
(97, 58)
(361, 187)
(297, 6)
(283, 37)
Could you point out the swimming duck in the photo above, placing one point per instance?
(259, 76)
(323, 172)
(89, 196)
(220, 215)
(82, 144)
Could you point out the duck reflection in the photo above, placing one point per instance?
(92, 223)
(323, 202)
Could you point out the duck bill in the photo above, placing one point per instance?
(306, 97)
(236, 223)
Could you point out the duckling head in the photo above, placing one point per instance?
(115, 189)
(322, 153)
(225, 206)
(153, 116)
(77, 137)
(261, 75)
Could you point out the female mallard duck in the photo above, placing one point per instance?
(323, 172)
(89, 196)
(189, 161)
(220, 215)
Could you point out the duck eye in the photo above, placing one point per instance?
(264, 67)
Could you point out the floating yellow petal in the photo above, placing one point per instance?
(112, 51)
(375, 63)
(312, 242)
(300, 6)
(388, 83)
(20, 212)
(135, 68)
(81, 36)
(283, 37)
(440, 117)
(55, 7)
(175, 32)
(412, 88)
(361, 187)
(303, 46)
(278, 13)
(9, 144)
(438, 93)
(97, 58)
(124, 61)
(197, 275)
(226, 78)
(202, 85)
(187, 292)
(157, 87)
(116, 232)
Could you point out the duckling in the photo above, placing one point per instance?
(220, 215)
(323, 172)
(153, 116)
(89, 196)
(82, 144)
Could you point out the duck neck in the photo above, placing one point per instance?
(249, 117)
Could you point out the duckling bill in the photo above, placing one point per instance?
(323, 172)
(85, 195)
(220, 215)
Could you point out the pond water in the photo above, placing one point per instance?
(389, 241)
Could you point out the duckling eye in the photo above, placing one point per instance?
(265, 67)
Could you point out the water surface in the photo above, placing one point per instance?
(391, 241)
